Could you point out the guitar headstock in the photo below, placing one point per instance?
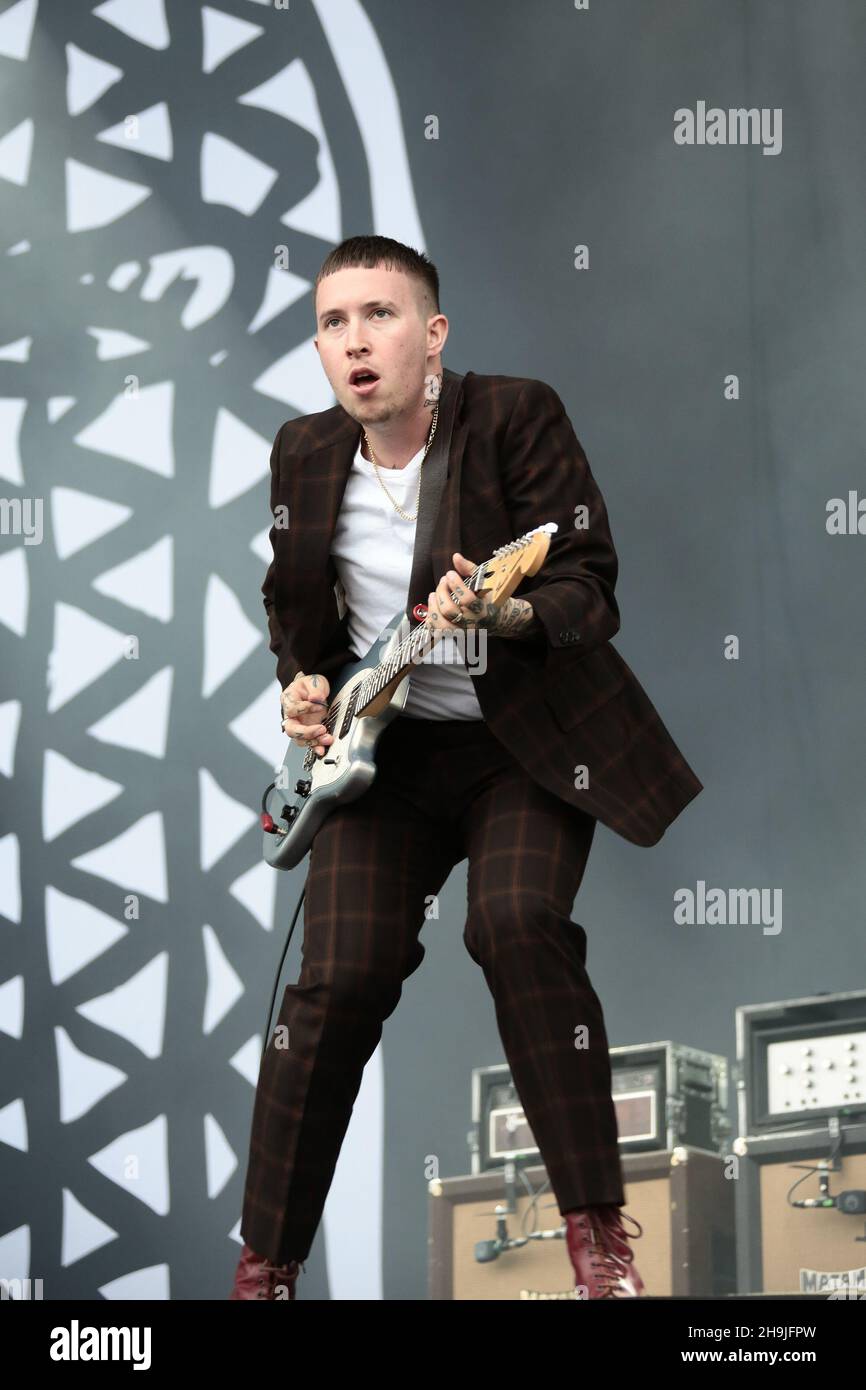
(509, 565)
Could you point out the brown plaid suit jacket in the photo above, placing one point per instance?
(559, 703)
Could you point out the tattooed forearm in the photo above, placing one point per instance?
(515, 618)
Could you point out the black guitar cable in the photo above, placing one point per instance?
(280, 970)
(288, 941)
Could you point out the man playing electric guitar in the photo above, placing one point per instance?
(509, 765)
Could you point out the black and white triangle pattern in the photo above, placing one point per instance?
(155, 156)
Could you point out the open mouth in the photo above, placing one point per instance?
(363, 382)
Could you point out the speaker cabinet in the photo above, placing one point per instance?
(680, 1197)
(791, 1250)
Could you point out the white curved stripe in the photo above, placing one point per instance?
(367, 80)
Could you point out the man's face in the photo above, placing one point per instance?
(373, 319)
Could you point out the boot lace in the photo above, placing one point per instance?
(278, 1274)
(620, 1234)
(611, 1263)
(611, 1266)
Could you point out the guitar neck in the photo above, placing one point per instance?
(409, 654)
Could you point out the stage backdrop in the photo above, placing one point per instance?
(172, 175)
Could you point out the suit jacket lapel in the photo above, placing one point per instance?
(440, 491)
(318, 478)
(446, 529)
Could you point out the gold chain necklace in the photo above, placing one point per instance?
(395, 505)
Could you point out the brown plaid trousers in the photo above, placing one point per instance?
(445, 790)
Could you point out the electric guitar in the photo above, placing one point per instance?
(369, 694)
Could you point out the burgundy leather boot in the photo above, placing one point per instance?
(258, 1277)
(602, 1258)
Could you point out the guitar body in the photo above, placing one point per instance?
(347, 769)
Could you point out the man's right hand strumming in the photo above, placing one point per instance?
(304, 706)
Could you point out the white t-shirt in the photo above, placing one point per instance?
(372, 549)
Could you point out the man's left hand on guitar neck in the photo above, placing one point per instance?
(513, 618)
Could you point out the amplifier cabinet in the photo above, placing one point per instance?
(680, 1197)
(790, 1250)
(665, 1095)
(801, 1061)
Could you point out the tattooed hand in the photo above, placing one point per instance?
(513, 618)
(304, 704)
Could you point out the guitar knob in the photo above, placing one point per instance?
(303, 787)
